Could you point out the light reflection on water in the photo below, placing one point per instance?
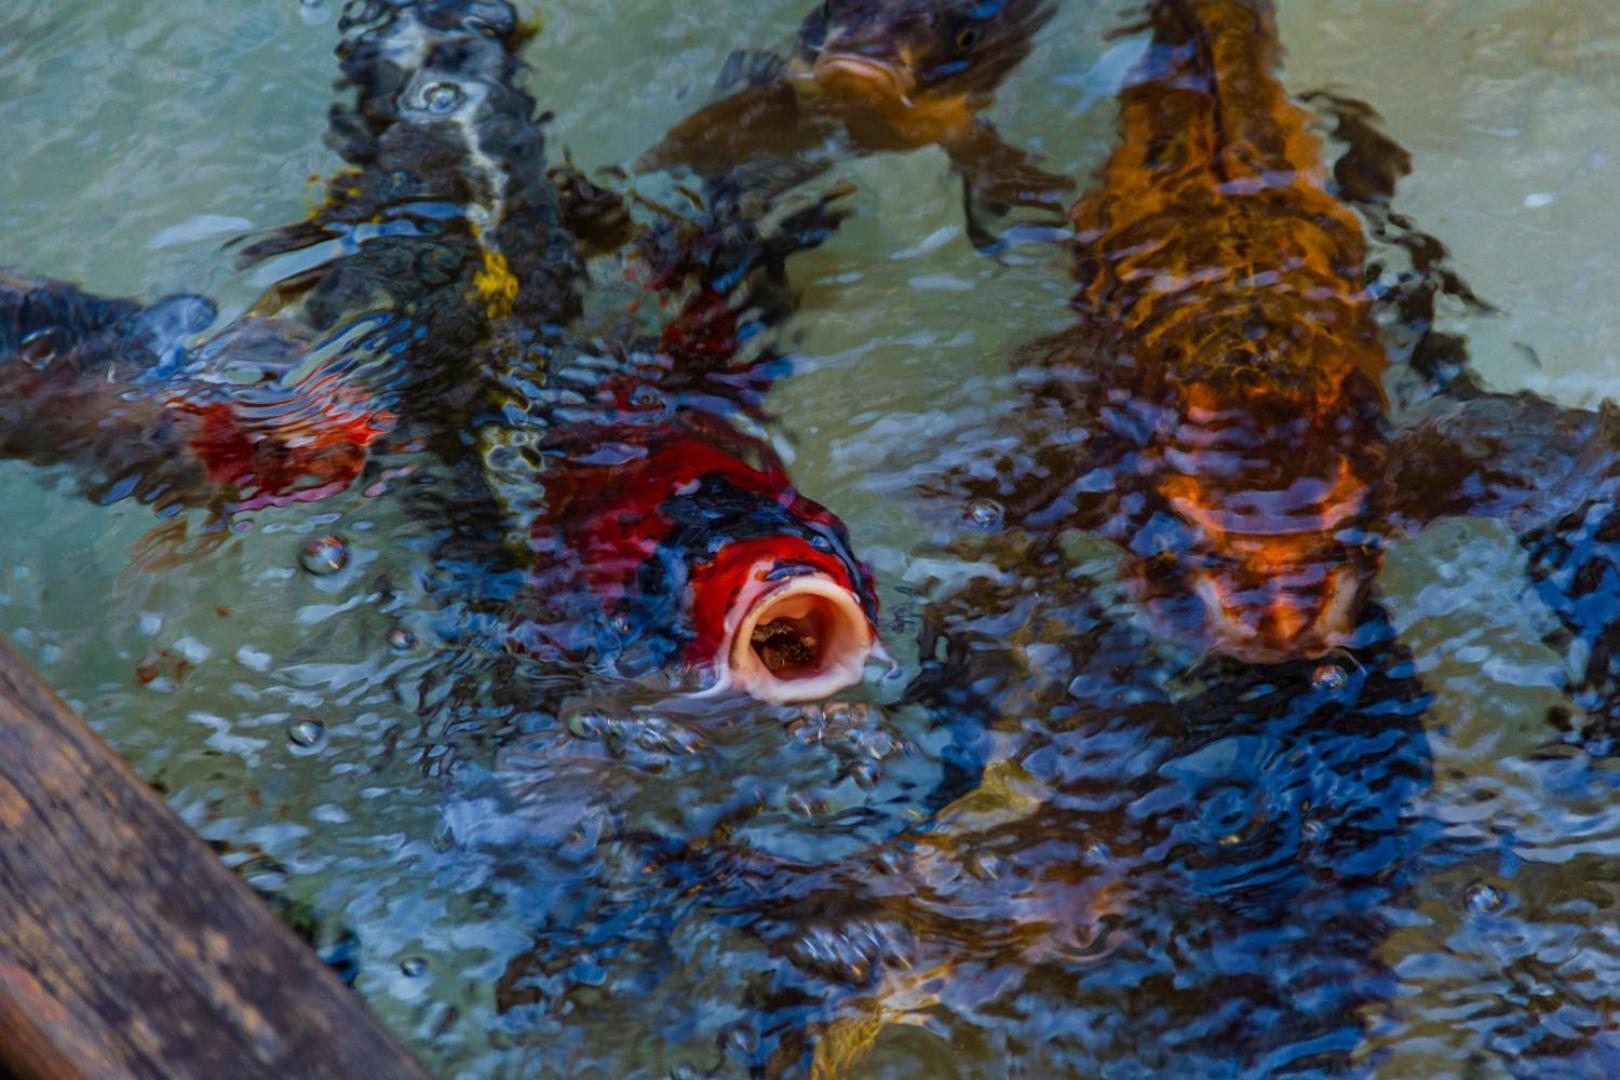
(449, 826)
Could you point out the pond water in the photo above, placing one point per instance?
(1399, 868)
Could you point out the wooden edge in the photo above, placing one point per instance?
(126, 947)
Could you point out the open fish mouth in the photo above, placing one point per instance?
(855, 79)
(796, 641)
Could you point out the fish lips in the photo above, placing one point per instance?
(794, 629)
(853, 80)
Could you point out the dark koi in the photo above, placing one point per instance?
(881, 75)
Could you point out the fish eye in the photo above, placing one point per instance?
(966, 39)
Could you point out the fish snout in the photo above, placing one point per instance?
(1262, 610)
(857, 78)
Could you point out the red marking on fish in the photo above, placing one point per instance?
(303, 445)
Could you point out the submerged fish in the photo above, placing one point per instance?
(1226, 370)
(1221, 289)
(691, 532)
(879, 75)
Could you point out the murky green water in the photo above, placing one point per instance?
(141, 137)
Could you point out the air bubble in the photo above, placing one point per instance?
(1329, 677)
(985, 514)
(306, 733)
(1482, 899)
(443, 97)
(325, 555)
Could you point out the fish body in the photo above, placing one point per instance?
(1221, 289)
(110, 388)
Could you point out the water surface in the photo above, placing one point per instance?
(492, 860)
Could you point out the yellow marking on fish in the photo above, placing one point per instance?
(527, 30)
(339, 186)
(497, 285)
(1006, 793)
(849, 1039)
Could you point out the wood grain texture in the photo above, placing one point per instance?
(126, 948)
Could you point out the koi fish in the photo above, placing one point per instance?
(881, 75)
(110, 387)
(688, 533)
(1214, 261)
(692, 531)
(1227, 370)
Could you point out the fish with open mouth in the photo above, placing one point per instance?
(690, 529)
(679, 534)
(868, 76)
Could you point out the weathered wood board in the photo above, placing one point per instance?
(126, 947)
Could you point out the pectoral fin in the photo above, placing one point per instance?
(1554, 474)
(1517, 457)
(998, 177)
(760, 121)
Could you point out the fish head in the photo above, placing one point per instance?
(1276, 546)
(918, 65)
(1270, 598)
(695, 536)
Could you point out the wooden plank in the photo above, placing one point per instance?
(126, 947)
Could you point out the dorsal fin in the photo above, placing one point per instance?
(1208, 93)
